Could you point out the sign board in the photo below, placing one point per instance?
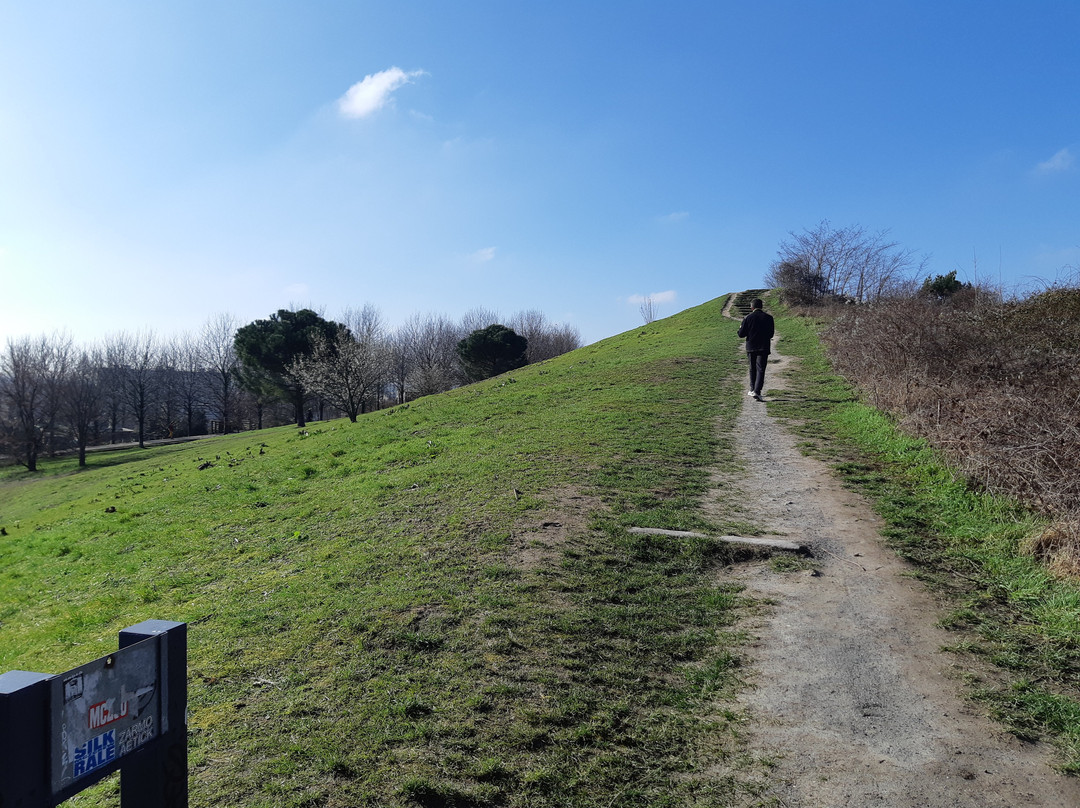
(126, 712)
(104, 710)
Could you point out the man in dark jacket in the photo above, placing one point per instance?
(757, 329)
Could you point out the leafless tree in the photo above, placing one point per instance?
(431, 343)
(139, 363)
(478, 317)
(533, 325)
(83, 392)
(167, 404)
(114, 393)
(848, 263)
(32, 375)
(369, 329)
(218, 354)
(648, 309)
(399, 363)
(546, 339)
(191, 384)
(563, 339)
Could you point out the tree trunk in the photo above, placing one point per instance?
(298, 403)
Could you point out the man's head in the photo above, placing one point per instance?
(757, 304)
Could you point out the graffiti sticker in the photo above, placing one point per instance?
(73, 688)
(94, 754)
(103, 711)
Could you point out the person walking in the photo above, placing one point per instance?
(757, 328)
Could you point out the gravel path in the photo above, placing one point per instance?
(850, 693)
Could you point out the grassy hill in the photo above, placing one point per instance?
(438, 605)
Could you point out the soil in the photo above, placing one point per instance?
(851, 697)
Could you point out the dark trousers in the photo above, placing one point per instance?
(759, 360)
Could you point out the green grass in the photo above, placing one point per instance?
(1006, 608)
(438, 605)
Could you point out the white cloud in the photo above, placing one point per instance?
(677, 216)
(1062, 161)
(656, 297)
(483, 256)
(374, 92)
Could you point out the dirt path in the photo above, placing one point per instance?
(850, 693)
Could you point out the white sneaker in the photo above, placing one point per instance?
(750, 393)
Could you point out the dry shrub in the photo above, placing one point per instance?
(996, 386)
(1058, 547)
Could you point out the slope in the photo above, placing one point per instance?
(438, 605)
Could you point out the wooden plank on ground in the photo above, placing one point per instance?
(776, 544)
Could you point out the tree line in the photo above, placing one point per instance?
(293, 366)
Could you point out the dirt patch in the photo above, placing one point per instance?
(850, 693)
(538, 540)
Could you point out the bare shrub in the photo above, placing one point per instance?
(995, 385)
(1058, 547)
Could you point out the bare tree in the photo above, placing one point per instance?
(546, 339)
(114, 392)
(369, 330)
(218, 353)
(479, 317)
(83, 393)
(648, 309)
(533, 325)
(138, 354)
(190, 383)
(32, 375)
(166, 380)
(563, 339)
(431, 342)
(847, 263)
(399, 363)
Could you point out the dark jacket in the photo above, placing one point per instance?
(757, 329)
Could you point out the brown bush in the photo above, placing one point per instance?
(1058, 547)
(996, 386)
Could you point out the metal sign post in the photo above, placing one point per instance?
(127, 710)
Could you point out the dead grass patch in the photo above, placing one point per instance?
(1058, 547)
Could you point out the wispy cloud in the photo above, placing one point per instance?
(656, 297)
(677, 216)
(1062, 161)
(374, 92)
(483, 256)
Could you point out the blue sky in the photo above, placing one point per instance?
(162, 162)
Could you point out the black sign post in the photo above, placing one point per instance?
(126, 710)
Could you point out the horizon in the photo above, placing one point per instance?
(168, 163)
